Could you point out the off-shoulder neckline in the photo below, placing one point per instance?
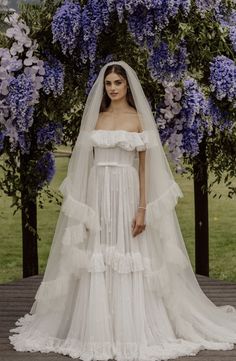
(117, 130)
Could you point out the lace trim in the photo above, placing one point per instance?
(158, 208)
(27, 340)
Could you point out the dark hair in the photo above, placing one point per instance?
(117, 69)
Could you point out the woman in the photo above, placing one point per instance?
(118, 282)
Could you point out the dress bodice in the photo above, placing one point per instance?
(117, 146)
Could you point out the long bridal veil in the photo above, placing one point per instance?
(168, 273)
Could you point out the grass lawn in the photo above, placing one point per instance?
(222, 213)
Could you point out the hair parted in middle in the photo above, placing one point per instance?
(119, 70)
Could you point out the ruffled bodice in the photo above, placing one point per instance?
(119, 138)
(122, 146)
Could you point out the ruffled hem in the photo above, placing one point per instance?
(162, 205)
(123, 262)
(108, 256)
(120, 138)
(88, 351)
(81, 212)
(77, 261)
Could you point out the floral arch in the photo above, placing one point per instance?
(52, 53)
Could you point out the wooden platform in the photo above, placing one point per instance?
(16, 299)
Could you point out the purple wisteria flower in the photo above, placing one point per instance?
(95, 18)
(66, 26)
(19, 97)
(182, 119)
(204, 6)
(164, 65)
(141, 25)
(45, 169)
(193, 116)
(218, 119)
(167, 121)
(21, 76)
(53, 80)
(51, 133)
(145, 18)
(2, 137)
(19, 115)
(77, 27)
(232, 36)
(223, 77)
(24, 142)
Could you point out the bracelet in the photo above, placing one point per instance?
(142, 207)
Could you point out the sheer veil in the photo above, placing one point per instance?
(168, 272)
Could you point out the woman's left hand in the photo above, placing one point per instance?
(138, 224)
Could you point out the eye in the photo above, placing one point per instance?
(118, 82)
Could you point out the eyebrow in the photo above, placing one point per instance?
(109, 81)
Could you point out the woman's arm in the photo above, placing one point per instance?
(138, 224)
(142, 201)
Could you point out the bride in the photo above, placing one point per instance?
(118, 282)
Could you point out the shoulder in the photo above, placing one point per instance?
(136, 120)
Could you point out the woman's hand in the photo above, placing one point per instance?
(138, 222)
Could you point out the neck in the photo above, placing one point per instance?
(118, 106)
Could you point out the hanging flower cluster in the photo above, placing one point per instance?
(218, 119)
(53, 81)
(20, 81)
(2, 136)
(20, 119)
(145, 18)
(192, 115)
(222, 78)
(184, 118)
(45, 169)
(75, 27)
(164, 65)
(22, 75)
(204, 6)
(50, 133)
(66, 26)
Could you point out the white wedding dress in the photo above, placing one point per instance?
(111, 312)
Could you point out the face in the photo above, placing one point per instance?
(116, 86)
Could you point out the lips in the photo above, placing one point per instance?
(113, 93)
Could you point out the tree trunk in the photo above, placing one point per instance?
(29, 226)
(201, 212)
